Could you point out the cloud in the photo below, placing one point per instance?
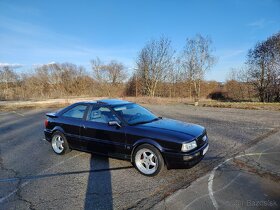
(11, 65)
(22, 9)
(261, 23)
(20, 27)
(29, 43)
(229, 54)
(257, 24)
(24, 38)
(43, 64)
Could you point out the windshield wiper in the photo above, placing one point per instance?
(156, 119)
(143, 122)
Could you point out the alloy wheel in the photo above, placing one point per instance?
(57, 144)
(146, 161)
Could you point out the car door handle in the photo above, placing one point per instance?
(84, 127)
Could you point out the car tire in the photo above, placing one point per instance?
(148, 160)
(59, 143)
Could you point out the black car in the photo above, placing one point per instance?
(126, 130)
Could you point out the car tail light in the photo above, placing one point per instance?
(46, 123)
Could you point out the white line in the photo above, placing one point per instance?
(2, 114)
(268, 150)
(223, 188)
(210, 184)
(42, 172)
(212, 174)
(18, 113)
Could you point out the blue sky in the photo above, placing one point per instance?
(40, 32)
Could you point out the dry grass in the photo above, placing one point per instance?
(158, 100)
(58, 103)
(50, 103)
(242, 105)
(207, 103)
(12, 107)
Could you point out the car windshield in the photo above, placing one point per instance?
(134, 114)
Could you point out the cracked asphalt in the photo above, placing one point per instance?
(33, 177)
(249, 180)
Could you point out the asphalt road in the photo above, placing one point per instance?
(249, 180)
(33, 177)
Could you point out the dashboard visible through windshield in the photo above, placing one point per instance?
(134, 114)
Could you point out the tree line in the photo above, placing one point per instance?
(159, 71)
(260, 77)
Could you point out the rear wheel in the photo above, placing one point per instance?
(59, 143)
(148, 160)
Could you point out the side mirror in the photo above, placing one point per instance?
(112, 123)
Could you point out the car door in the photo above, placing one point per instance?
(71, 122)
(102, 137)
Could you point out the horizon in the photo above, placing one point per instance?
(35, 33)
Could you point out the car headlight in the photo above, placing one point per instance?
(188, 146)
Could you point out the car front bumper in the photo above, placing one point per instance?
(185, 160)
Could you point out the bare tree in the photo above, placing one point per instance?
(100, 73)
(112, 72)
(58, 80)
(108, 75)
(264, 68)
(154, 63)
(175, 76)
(8, 79)
(116, 73)
(237, 84)
(197, 58)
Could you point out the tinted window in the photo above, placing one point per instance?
(101, 115)
(76, 112)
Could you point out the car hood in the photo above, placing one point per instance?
(166, 124)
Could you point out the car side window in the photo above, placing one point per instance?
(102, 115)
(76, 112)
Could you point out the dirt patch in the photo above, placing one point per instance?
(256, 169)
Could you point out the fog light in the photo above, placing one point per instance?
(186, 158)
(197, 154)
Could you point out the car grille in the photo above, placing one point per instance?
(199, 140)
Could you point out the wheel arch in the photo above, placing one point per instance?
(146, 141)
(57, 128)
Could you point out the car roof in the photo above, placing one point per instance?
(113, 102)
(108, 102)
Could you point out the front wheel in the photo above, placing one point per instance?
(148, 160)
(59, 143)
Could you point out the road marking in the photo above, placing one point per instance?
(42, 172)
(223, 188)
(268, 150)
(2, 114)
(18, 113)
(212, 174)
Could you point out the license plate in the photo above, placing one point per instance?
(205, 150)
